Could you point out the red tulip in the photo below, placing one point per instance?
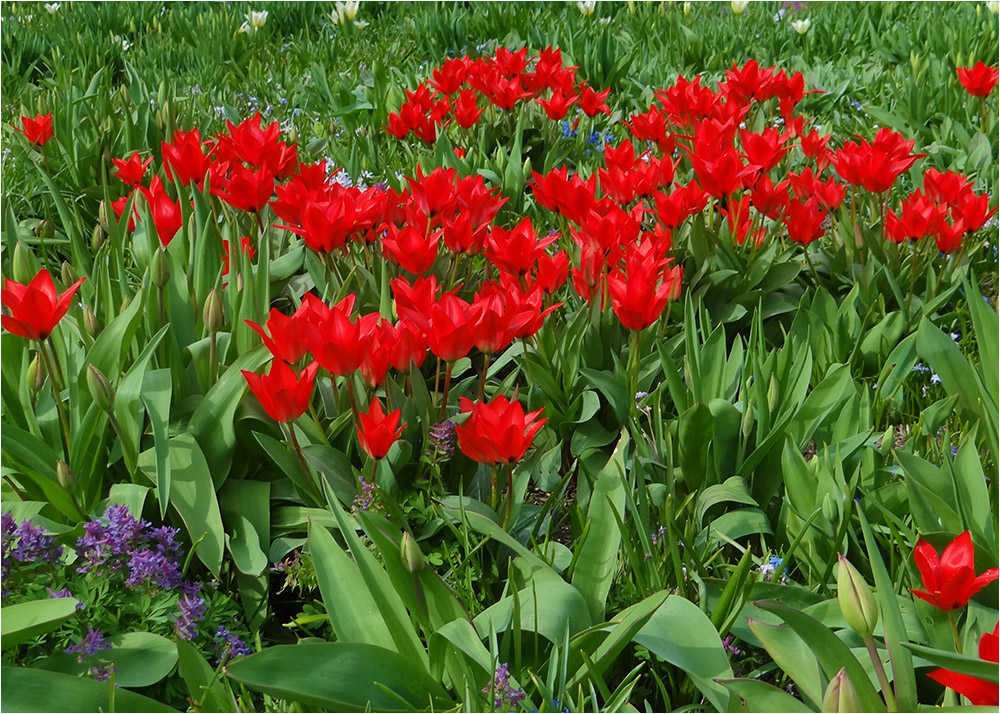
(166, 212)
(557, 105)
(593, 102)
(378, 431)
(35, 308)
(978, 691)
(804, 221)
(979, 80)
(184, 159)
(37, 130)
(497, 433)
(951, 580)
(287, 341)
(465, 109)
(639, 294)
(284, 396)
(243, 189)
(131, 170)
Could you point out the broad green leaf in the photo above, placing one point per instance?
(829, 650)
(206, 690)
(32, 690)
(597, 561)
(27, 620)
(546, 607)
(757, 696)
(681, 634)
(142, 658)
(155, 395)
(793, 655)
(347, 677)
(965, 664)
(126, 402)
(193, 495)
(353, 612)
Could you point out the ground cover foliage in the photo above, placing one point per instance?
(499, 357)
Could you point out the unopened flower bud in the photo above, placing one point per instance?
(212, 312)
(90, 321)
(24, 264)
(687, 8)
(840, 695)
(97, 237)
(857, 603)
(413, 558)
(67, 274)
(125, 305)
(102, 216)
(36, 374)
(65, 475)
(239, 283)
(161, 268)
(100, 388)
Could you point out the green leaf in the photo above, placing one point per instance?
(597, 561)
(142, 658)
(27, 620)
(193, 495)
(126, 402)
(793, 655)
(681, 634)
(758, 696)
(340, 676)
(155, 395)
(829, 650)
(32, 690)
(206, 690)
(734, 490)
(353, 612)
(965, 664)
(547, 606)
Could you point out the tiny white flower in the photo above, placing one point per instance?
(604, 20)
(935, 379)
(739, 6)
(801, 26)
(361, 24)
(51, 7)
(586, 6)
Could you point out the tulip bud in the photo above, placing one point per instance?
(67, 274)
(44, 229)
(857, 603)
(239, 283)
(687, 8)
(212, 313)
(102, 216)
(97, 237)
(829, 508)
(90, 321)
(100, 388)
(411, 555)
(24, 264)
(36, 374)
(888, 440)
(65, 475)
(125, 305)
(840, 695)
(161, 268)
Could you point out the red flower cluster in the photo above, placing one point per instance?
(875, 166)
(980, 79)
(926, 212)
(244, 163)
(455, 88)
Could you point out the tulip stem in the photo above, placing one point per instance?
(482, 377)
(634, 359)
(447, 388)
(913, 280)
(212, 357)
(812, 267)
(437, 377)
(954, 632)
(510, 495)
(302, 460)
(493, 487)
(57, 395)
(890, 700)
(350, 396)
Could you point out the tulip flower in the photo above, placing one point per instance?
(184, 160)
(498, 432)
(37, 130)
(131, 170)
(378, 431)
(980, 79)
(35, 308)
(979, 692)
(284, 396)
(166, 212)
(950, 580)
(739, 6)
(801, 26)
(288, 340)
